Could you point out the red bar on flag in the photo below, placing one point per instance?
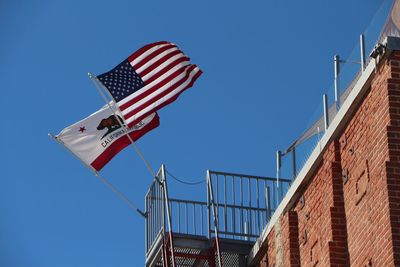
(98, 138)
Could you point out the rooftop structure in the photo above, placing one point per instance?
(340, 209)
(221, 229)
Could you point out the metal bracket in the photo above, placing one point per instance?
(144, 214)
(378, 50)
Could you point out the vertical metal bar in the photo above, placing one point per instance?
(225, 211)
(179, 217)
(249, 196)
(264, 221)
(171, 212)
(336, 63)
(155, 206)
(241, 205)
(258, 205)
(217, 195)
(160, 205)
(187, 218)
(152, 216)
(194, 218)
(146, 224)
(246, 230)
(234, 206)
(201, 219)
(163, 212)
(216, 218)
(268, 203)
(208, 206)
(168, 214)
(159, 200)
(326, 114)
(362, 51)
(294, 162)
(278, 175)
(274, 194)
(156, 223)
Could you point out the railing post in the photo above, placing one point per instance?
(268, 203)
(216, 219)
(336, 61)
(164, 182)
(208, 205)
(246, 230)
(278, 175)
(146, 223)
(294, 162)
(326, 114)
(362, 51)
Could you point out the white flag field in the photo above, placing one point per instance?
(96, 139)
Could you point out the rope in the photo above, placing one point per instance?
(184, 182)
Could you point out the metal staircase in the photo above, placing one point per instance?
(218, 232)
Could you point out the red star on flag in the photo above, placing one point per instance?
(82, 129)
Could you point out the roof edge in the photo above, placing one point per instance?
(337, 125)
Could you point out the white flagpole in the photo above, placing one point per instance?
(101, 178)
(96, 82)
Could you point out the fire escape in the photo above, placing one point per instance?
(217, 232)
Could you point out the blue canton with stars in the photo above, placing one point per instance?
(121, 81)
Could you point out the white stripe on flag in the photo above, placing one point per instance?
(165, 98)
(154, 59)
(146, 53)
(152, 84)
(161, 67)
(157, 92)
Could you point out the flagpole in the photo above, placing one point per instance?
(96, 81)
(101, 178)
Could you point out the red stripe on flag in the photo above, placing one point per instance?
(166, 69)
(158, 63)
(169, 101)
(187, 69)
(154, 88)
(153, 55)
(123, 142)
(144, 49)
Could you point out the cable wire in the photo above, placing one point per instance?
(184, 182)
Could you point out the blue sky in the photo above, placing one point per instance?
(266, 65)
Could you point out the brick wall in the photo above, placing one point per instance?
(348, 213)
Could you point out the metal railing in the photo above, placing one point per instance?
(244, 203)
(347, 71)
(189, 217)
(155, 211)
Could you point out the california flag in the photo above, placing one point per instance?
(99, 137)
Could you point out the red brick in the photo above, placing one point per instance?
(346, 229)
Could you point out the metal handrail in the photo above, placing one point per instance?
(249, 176)
(243, 205)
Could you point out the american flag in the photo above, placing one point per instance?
(152, 77)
